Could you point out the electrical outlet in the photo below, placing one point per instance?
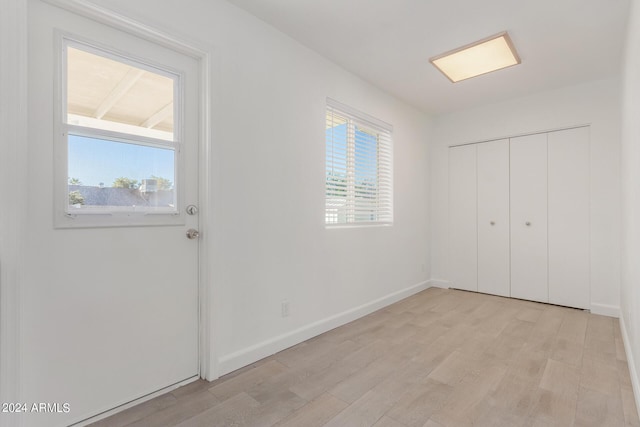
(285, 308)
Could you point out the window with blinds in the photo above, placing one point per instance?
(358, 168)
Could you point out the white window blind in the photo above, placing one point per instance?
(358, 168)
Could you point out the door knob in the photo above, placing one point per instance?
(192, 234)
(527, 223)
(492, 223)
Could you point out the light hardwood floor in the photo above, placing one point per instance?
(438, 358)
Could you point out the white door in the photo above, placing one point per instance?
(463, 232)
(110, 303)
(569, 282)
(529, 217)
(493, 217)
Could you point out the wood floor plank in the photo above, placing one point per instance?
(192, 388)
(499, 417)
(318, 351)
(596, 408)
(560, 378)
(498, 320)
(368, 409)
(441, 358)
(455, 367)
(138, 412)
(355, 386)
(543, 335)
(430, 333)
(193, 404)
(574, 326)
(552, 409)
(509, 343)
(368, 354)
(514, 395)
(227, 389)
(387, 422)
(529, 314)
(234, 411)
(600, 376)
(315, 413)
(431, 357)
(567, 351)
(629, 407)
(465, 405)
(317, 384)
(416, 407)
(624, 377)
(529, 365)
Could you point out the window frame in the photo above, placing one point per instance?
(112, 216)
(384, 166)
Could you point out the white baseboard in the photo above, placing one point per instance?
(601, 309)
(246, 356)
(635, 380)
(439, 283)
(605, 310)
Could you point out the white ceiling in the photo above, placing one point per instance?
(389, 42)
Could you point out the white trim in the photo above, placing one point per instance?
(605, 309)
(83, 122)
(251, 354)
(13, 187)
(635, 380)
(196, 50)
(537, 132)
(113, 19)
(344, 108)
(133, 403)
(208, 364)
(439, 283)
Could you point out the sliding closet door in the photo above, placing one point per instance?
(569, 278)
(493, 217)
(529, 217)
(463, 232)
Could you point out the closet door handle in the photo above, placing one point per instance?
(528, 224)
(492, 223)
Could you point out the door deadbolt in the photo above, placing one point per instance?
(192, 209)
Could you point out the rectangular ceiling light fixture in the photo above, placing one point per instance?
(482, 57)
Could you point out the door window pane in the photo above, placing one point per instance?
(105, 173)
(103, 93)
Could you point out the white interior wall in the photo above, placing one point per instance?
(268, 241)
(595, 103)
(630, 171)
(13, 155)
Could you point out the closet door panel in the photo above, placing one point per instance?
(493, 217)
(463, 233)
(529, 217)
(569, 264)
